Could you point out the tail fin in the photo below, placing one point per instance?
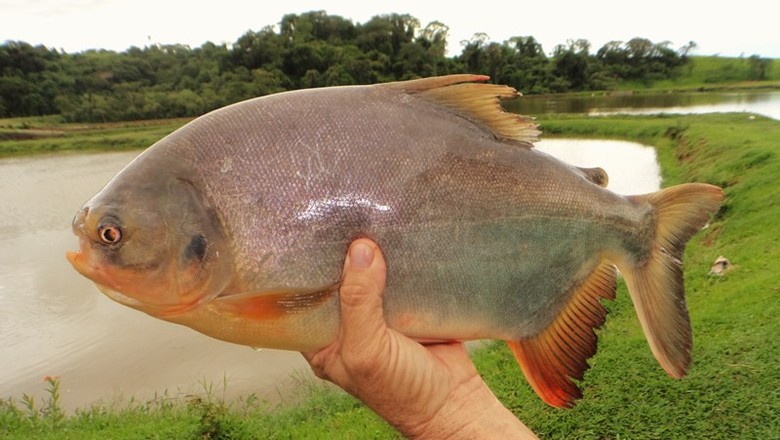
(656, 284)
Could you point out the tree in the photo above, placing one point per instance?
(688, 48)
(434, 39)
(758, 68)
(308, 50)
(473, 54)
(527, 47)
(571, 65)
(259, 49)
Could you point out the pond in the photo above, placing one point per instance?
(765, 103)
(55, 322)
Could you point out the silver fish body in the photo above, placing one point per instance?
(484, 236)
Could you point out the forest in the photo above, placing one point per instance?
(305, 50)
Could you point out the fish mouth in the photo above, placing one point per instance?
(93, 273)
(77, 260)
(81, 262)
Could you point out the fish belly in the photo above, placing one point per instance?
(499, 280)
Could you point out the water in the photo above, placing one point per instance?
(632, 168)
(55, 322)
(762, 103)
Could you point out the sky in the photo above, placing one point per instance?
(742, 28)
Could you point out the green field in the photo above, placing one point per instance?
(710, 73)
(731, 392)
(47, 134)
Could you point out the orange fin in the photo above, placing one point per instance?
(552, 358)
(479, 102)
(656, 283)
(266, 305)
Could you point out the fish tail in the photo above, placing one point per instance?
(655, 283)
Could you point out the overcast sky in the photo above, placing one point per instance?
(744, 27)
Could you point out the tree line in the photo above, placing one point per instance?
(312, 49)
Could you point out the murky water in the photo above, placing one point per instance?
(765, 103)
(632, 168)
(55, 322)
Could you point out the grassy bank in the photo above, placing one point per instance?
(732, 389)
(47, 134)
(710, 73)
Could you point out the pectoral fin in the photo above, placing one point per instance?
(554, 357)
(271, 305)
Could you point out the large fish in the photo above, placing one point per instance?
(237, 224)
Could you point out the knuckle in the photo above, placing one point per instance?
(355, 294)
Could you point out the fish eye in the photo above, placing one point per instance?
(110, 234)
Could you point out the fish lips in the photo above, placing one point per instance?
(86, 266)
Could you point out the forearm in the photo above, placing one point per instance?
(472, 413)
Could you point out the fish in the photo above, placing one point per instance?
(237, 224)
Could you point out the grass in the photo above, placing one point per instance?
(731, 392)
(732, 389)
(46, 134)
(323, 410)
(706, 73)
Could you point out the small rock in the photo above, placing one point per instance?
(721, 265)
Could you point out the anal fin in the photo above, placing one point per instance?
(551, 359)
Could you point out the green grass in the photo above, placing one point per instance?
(711, 73)
(46, 134)
(731, 392)
(732, 388)
(321, 410)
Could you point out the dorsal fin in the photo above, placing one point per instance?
(552, 358)
(477, 101)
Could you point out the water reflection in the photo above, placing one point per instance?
(765, 103)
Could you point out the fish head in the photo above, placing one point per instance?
(149, 241)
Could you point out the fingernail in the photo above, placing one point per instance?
(361, 256)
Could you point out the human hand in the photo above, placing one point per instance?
(424, 391)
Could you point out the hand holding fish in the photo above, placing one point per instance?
(425, 391)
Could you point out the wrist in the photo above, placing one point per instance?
(472, 412)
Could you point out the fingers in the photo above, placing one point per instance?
(362, 331)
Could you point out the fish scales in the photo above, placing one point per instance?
(484, 236)
(418, 180)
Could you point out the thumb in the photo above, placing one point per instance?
(361, 294)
